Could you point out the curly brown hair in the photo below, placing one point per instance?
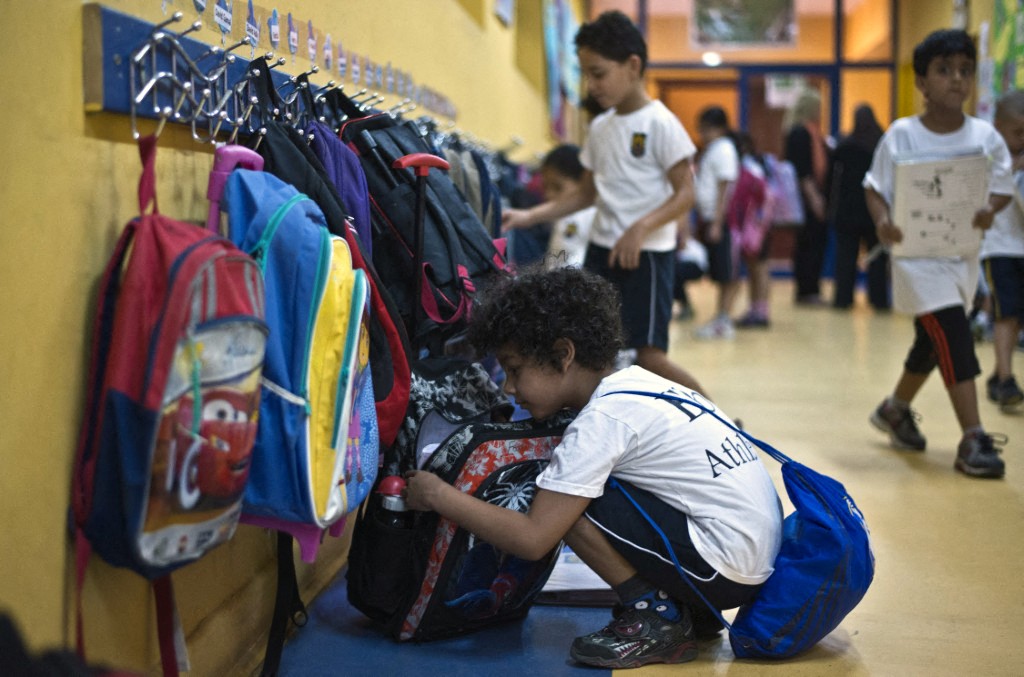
(530, 312)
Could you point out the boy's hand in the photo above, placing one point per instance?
(422, 489)
(983, 218)
(512, 219)
(626, 252)
(888, 234)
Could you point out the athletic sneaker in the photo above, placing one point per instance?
(978, 456)
(635, 638)
(706, 625)
(1006, 393)
(900, 425)
(718, 328)
(753, 321)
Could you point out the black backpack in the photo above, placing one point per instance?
(419, 575)
(458, 255)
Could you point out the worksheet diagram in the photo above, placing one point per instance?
(934, 202)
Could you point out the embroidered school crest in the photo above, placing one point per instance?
(638, 145)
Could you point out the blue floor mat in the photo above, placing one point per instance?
(339, 640)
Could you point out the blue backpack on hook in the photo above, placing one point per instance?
(822, 571)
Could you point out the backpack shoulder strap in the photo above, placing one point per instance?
(689, 401)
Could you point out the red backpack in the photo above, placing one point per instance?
(173, 394)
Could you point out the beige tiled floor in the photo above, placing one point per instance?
(948, 596)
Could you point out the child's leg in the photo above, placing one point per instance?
(907, 387)
(591, 546)
(651, 626)
(760, 279)
(964, 396)
(729, 291)
(1004, 336)
(894, 415)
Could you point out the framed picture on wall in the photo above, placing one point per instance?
(743, 23)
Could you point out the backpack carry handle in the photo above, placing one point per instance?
(147, 181)
(225, 159)
(421, 164)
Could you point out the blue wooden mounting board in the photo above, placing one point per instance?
(109, 38)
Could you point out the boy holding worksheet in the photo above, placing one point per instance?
(936, 290)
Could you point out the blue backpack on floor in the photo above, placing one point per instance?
(822, 571)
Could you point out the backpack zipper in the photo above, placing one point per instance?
(322, 265)
(259, 250)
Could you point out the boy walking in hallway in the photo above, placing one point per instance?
(937, 291)
(639, 175)
(1002, 261)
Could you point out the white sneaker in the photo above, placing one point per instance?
(718, 328)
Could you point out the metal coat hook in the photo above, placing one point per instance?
(260, 135)
(174, 18)
(196, 25)
(167, 113)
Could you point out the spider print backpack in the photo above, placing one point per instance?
(428, 578)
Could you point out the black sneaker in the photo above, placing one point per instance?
(900, 425)
(706, 625)
(753, 321)
(1006, 393)
(635, 638)
(978, 456)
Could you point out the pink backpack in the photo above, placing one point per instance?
(750, 211)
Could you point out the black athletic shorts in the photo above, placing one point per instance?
(1005, 278)
(637, 541)
(943, 339)
(646, 294)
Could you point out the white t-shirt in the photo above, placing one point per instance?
(924, 285)
(630, 156)
(569, 238)
(720, 162)
(1006, 236)
(690, 460)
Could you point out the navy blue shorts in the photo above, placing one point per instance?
(943, 339)
(722, 264)
(1005, 278)
(646, 294)
(635, 539)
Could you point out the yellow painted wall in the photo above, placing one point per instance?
(67, 186)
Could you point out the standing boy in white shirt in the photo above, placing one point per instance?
(717, 171)
(1002, 262)
(936, 291)
(640, 177)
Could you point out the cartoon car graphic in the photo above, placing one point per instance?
(213, 461)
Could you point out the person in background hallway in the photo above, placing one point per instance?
(717, 171)
(560, 174)
(639, 174)
(853, 223)
(1002, 261)
(938, 290)
(807, 149)
(754, 207)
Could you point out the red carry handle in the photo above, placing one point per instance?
(421, 164)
